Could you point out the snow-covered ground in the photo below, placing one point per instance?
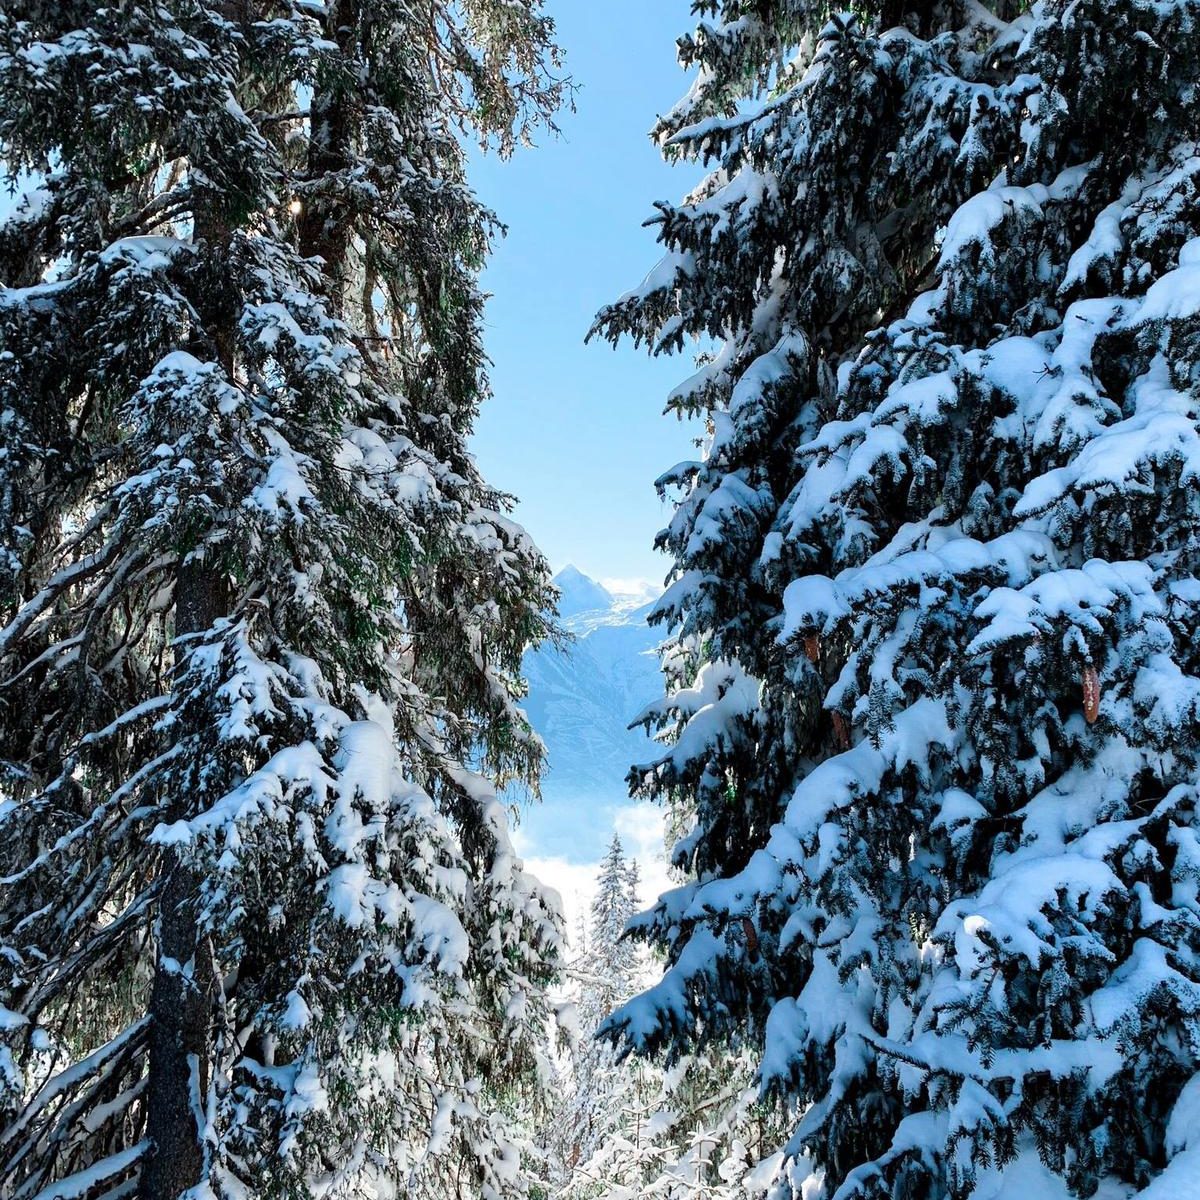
(581, 701)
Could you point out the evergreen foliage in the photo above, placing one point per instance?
(262, 932)
(606, 970)
(933, 719)
(631, 1131)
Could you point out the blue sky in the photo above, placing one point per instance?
(575, 431)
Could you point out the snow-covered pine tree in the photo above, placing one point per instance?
(608, 971)
(261, 928)
(632, 1131)
(935, 587)
(612, 964)
(697, 1131)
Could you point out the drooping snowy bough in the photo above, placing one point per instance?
(934, 725)
(262, 932)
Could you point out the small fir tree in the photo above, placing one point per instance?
(607, 972)
(631, 1130)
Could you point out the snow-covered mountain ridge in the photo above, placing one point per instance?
(582, 697)
(581, 701)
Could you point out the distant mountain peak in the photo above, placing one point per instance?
(582, 696)
(579, 593)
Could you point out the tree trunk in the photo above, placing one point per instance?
(323, 228)
(181, 999)
(179, 1043)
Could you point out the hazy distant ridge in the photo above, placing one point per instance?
(582, 698)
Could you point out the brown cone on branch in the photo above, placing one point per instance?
(841, 730)
(751, 938)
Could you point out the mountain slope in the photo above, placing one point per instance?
(583, 697)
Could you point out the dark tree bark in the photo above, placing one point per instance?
(180, 1008)
(181, 999)
(323, 228)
